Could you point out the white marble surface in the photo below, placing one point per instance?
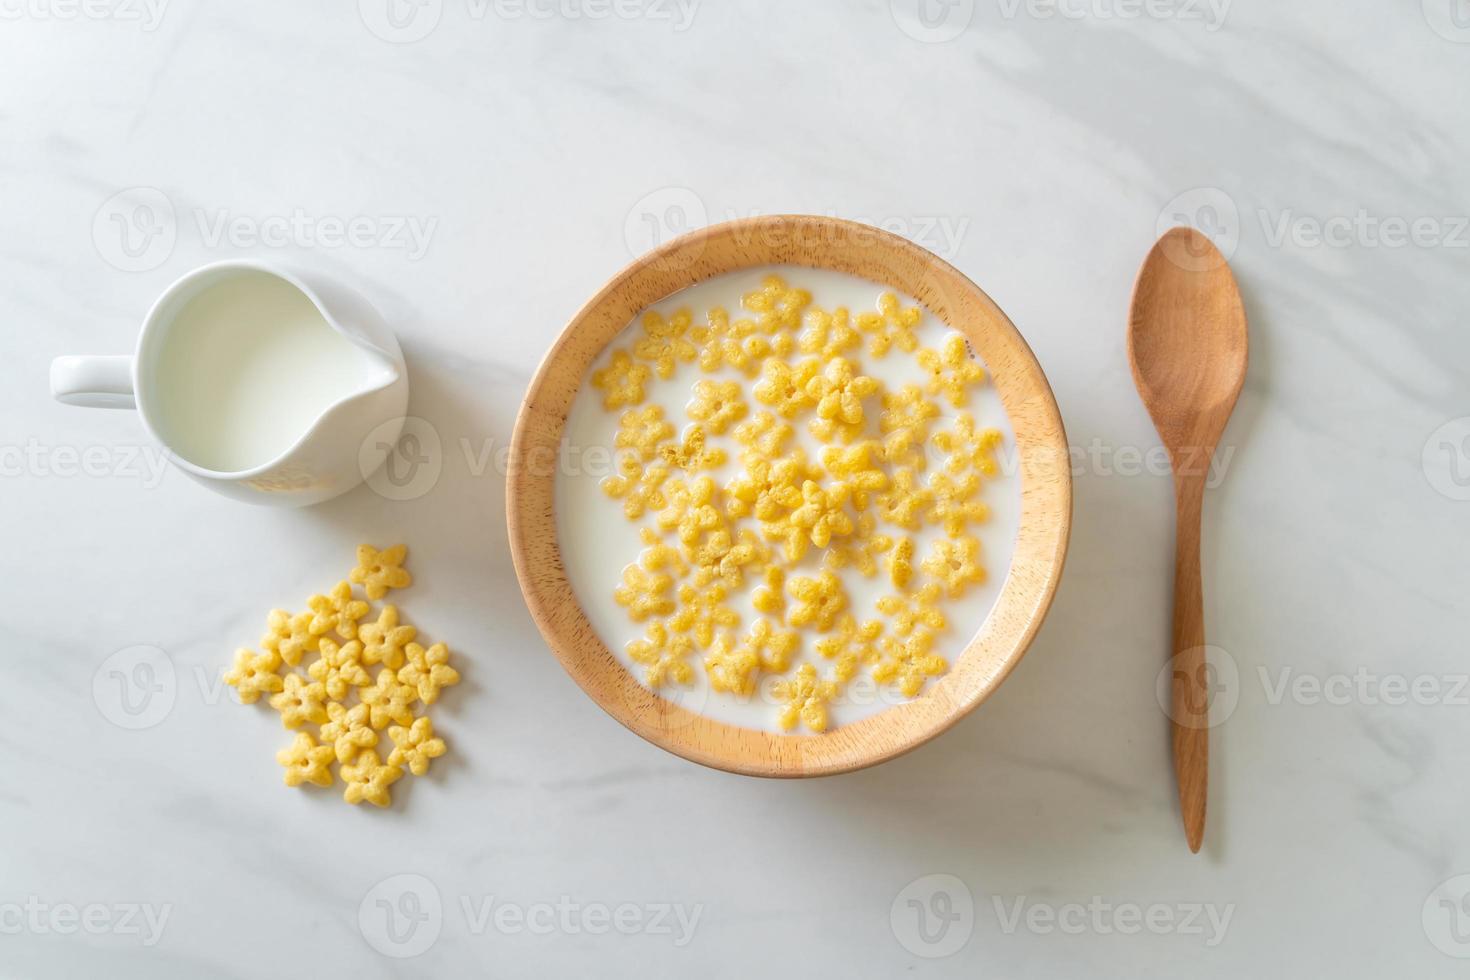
(1037, 149)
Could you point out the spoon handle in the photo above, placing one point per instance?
(1190, 696)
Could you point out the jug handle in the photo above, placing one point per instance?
(94, 380)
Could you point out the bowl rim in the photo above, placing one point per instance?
(1041, 453)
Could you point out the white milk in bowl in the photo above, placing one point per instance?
(597, 540)
(247, 367)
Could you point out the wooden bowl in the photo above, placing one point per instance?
(1041, 453)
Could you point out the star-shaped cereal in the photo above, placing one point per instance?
(955, 565)
(952, 371)
(957, 502)
(644, 593)
(254, 674)
(905, 422)
(388, 700)
(764, 436)
(415, 745)
(644, 431)
(912, 611)
(289, 636)
(349, 730)
(639, 487)
(906, 501)
(663, 653)
(768, 489)
(860, 467)
(726, 557)
(621, 382)
(427, 671)
(839, 392)
(691, 510)
(908, 661)
(779, 306)
(969, 448)
(821, 516)
(337, 610)
(300, 703)
(702, 612)
(339, 668)
(694, 453)
(860, 550)
(850, 644)
(306, 762)
(368, 779)
(718, 404)
(786, 388)
(383, 641)
(828, 335)
(818, 600)
(891, 326)
(806, 698)
(664, 343)
(378, 571)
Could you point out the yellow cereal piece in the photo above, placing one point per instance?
(339, 668)
(859, 467)
(703, 610)
(969, 448)
(828, 335)
(905, 422)
(725, 558)
(382, 641)
(779, 306)
(289, 636)
(415, 745)
(909, 661)
(900, 563)
(818, 600)
(771, 597)
(664, 654)
(694, 453)
(660, 557)
(254, 674)
(839, 392)
(906, 502)
(718, 404)
(368, 779)
(773, 648)
(306, 762)
(786, 387)
(806, 698)
(859, 551)
(427, 671)
(644, 431)
(892, 326)
(378, 571)
(731, 667)
(768, 490)
(851, 644)
(912, 611)
(621, 382)
(645, 593)
(336, 610)
(348, 730)
(388, 699)
(821, 516)
(300, 703)
(640, 488)
(952, 371)
(691, 509)
(956, 503)
(955, 565)
(724, 343)
(764, 435)
(664, 344)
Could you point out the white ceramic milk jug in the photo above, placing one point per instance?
(267, 385)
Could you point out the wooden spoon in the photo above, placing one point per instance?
(1187, 344)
